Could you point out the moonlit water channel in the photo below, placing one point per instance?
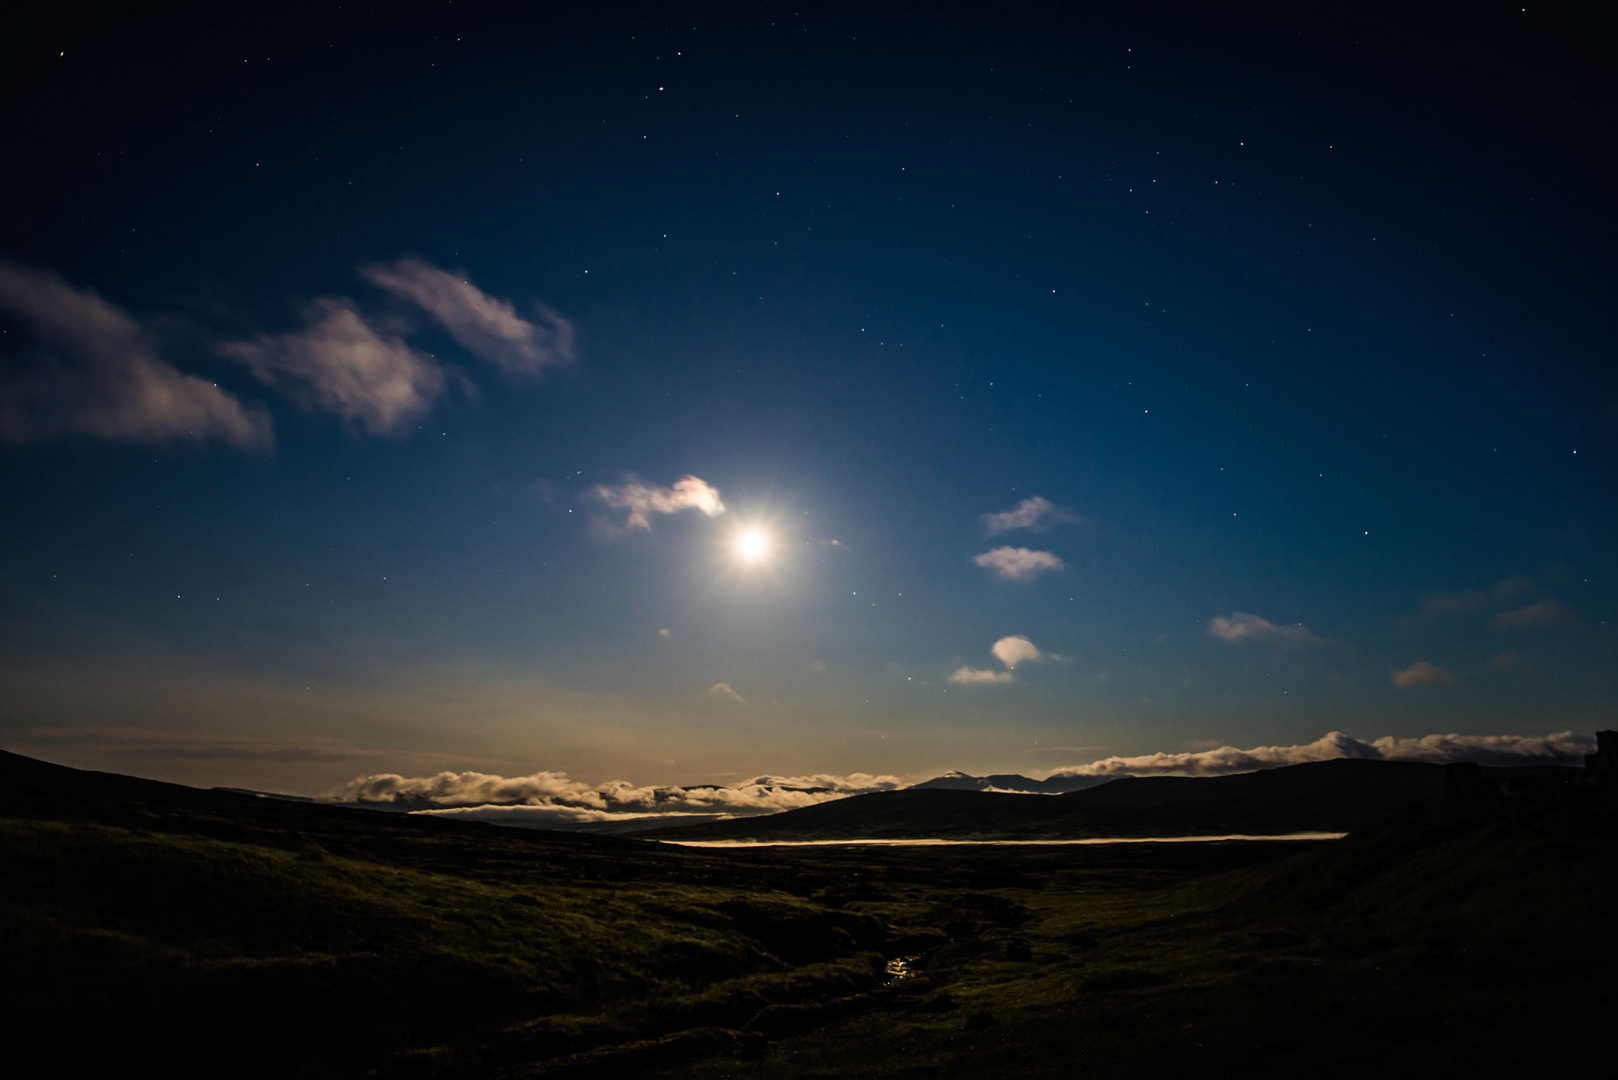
(1093, 840)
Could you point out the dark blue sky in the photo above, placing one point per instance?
(1301, 325)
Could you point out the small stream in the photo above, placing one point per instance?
(1008, 843)
(900, 968)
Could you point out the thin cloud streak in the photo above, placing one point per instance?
(1243, 626)
(96, 372)
(1018, 563)
(1421, 673)
(1540, 615)
(487, 327)
(971, 676)
(1036, 514)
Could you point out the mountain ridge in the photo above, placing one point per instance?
(1327, 796)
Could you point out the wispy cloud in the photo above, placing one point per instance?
(1243, 626)
(1036, 513)
(1017, 563)
(1421, 673)
(343, 364)
(723, 690)
(95, 371)
(971, 676)
(1015, 650)
(1542, 614)
(1562, 748)
(487, 327)
(167, 744)
(1473, 601)
(642, 500)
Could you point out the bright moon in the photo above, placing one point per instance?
(752, 545)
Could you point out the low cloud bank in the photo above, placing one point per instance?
(557, 797)
(1562, 748)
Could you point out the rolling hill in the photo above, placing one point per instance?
(1330, 796)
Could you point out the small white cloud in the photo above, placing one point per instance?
(1421, 673)
(642, 500)
(339, 362)
(1034, 513)
(970, 676)
(1015, 650)
(485, 326)
(723, 690)
(1017, 563)
(665, 633)
(1242, 626)
(97, 373)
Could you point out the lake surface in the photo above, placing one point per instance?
(1093, 840)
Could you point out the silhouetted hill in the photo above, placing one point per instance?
(1316, 796)
(153, 928)
(1012, 782)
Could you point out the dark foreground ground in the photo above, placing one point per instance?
(211, 933)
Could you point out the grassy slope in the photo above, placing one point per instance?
(1426, 946)
(190, 927)
(217, 933)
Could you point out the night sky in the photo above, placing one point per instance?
(686, 397)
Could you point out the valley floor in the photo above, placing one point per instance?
(211, 933)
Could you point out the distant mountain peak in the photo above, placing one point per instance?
(1016, 782)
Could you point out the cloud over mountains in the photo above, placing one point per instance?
(1562, 748)
(556, 796)
(555, 799)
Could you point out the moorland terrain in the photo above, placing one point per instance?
(204, 932)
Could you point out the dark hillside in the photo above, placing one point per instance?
(1317, 796)
(148, 922)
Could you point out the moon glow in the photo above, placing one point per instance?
(751, 545)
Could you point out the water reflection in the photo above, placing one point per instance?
(1007, 843)
(900, 968)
